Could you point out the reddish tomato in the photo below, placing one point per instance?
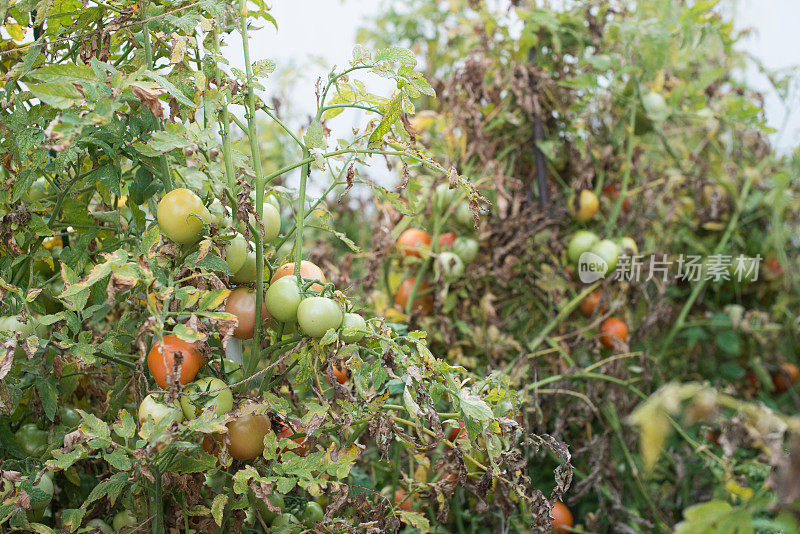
(289, 430)
(308, 271)
(446, 240)
(411, 241)
(773, 268)
(752, 380)
(613, 331)
(589, 304)
(423, 302)
(246, 435)
(562, 518)
(161, 360)
(613, 191)
(401, 500)
(340, 373)
(242, 303)
(211, 444)
(784, 378)
(458, 433)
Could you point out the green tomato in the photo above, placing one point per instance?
(32, 327)
(236, 253)
(581, 242)
(182, 215)
(465, 248)
(69, 417)
(32, 440)
(201, 396)
(628, 246)
(443, 197)
(317, 315)
(266, 514)
(608, 251)
(283, 299)
(353, 328)
(286, 523)
(271, 218)
(449, 266)
(217, 211)
(247, 274)
(153, 407)
(312, 514)
(42, 492)
(96, 524)
(123, 520)
(463, 215)
(273, 199)
(655, 106)
(232, 371)
(38, 190)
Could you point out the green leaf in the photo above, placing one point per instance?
(218, 507)
(111, 488)
(48, 394)
(64, 460)
(72, 517)
(65, 73)
(391, 114)
(474, 407)
(125, 426)
(396, 53)
(263, 68)
(416, 519)
(93, 426)
(57, 95)
(314, 136)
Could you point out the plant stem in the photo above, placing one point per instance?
(156, 503)
(225, 125)
(255, 153)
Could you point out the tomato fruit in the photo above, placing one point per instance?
(412, 241)
(581, 241)
(583, 205)
(784, 378)
(38, 189)
(232, 371)
(69, 417)
(288, 523)
(402, 500)
(308, 271)
(266, 514)
(443, 196)
(271, 218)
(33, 440)
(613, 331)
(354, 328)
(249, 271)
(236, 253)
(609, 252)
(98, 524)
(283, 298)
(242, 303)
(340, 373)
(562, 518)
(246, 435)
(155, 407)
(465, 248)
(423, 300)
(459, 433)
(312, 514)
(655, 106)
(161, 360)
(446, 240)
(628, 246)
(317, 315)
(613, 190)
(464, 215)
(289, 430)
(589, 303)
(202, 395)
(43, 492)
(449, 266)
(181, 216)
(123, 520)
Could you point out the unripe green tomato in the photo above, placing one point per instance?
(96, 524)
(153, 407)
(266, 514)
(655, 106)
(312, 514)
(286, 523)
(123, 520)
(217, 211)
(317, 315)
(236, 253)
(283, 298)
(609, 251)
(232, 371)
(69, 417)
(465, 248)
(38, 189)
(247, 274)
(271, 219)
(40, 501)
(33, 440)
(584, 205)
(182, 215)
(449, 266)
(201, 396)
(582, 241)
(443, 197)
(628, 246)
(463, 214)
(353, 328)
(274, 200)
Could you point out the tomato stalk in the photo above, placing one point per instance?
(255, 154)
(626, 174)
(225, 124)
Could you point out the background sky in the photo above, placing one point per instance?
(322, 33)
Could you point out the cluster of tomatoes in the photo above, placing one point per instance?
(449, 252)
(583, 207)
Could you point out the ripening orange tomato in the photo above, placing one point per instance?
(411, 241)
(784, 378)
(612, 331)
(589, 304)
(161, 360)
(423, 300)
(242, 303)
(446, 240)
(562, 518)
(613, 190)
(308, 271)
(340, 373)
(401, 500)
(246, 436)
(289, 430)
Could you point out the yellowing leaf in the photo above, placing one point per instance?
(16, 31)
